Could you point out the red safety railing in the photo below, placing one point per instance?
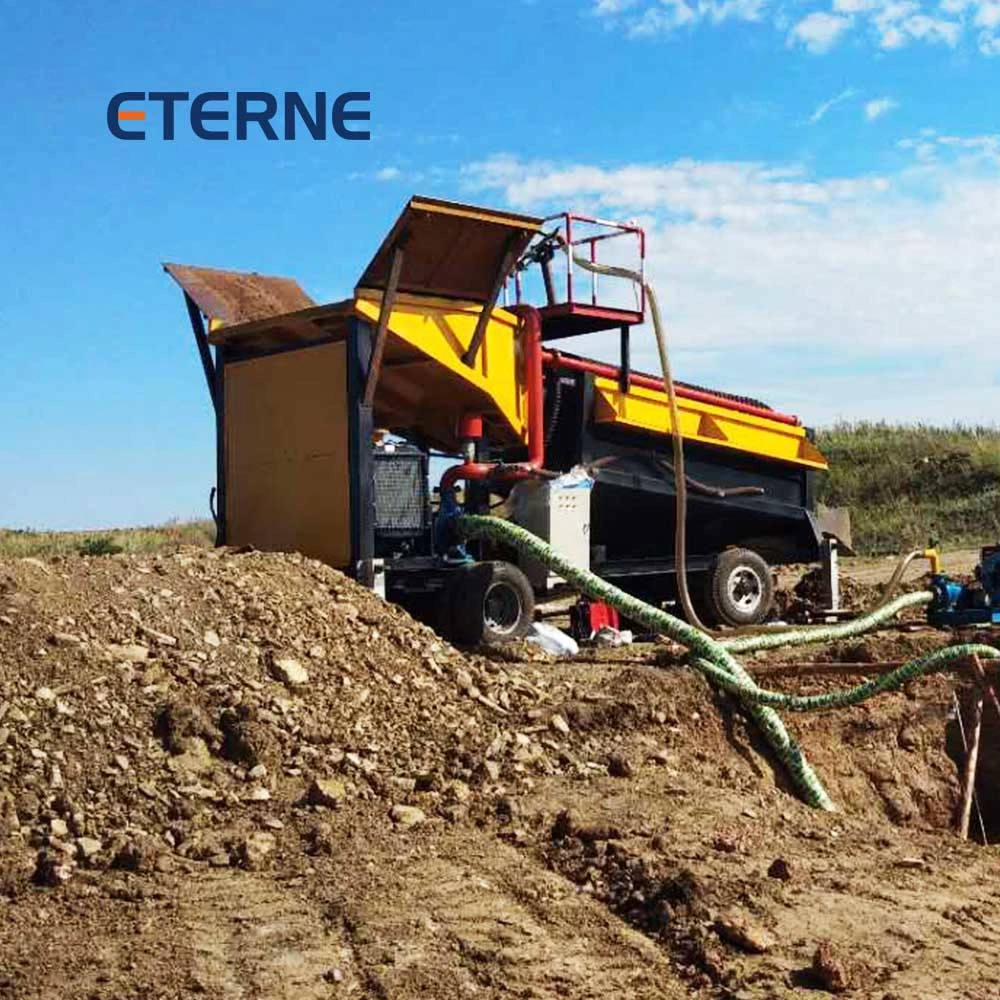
(582, 234)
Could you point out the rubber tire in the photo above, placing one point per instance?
(719, 607)
(467, 592)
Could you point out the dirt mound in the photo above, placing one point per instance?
(148, 703)
(233, 774)
(806, 599)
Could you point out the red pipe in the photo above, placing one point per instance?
(555, 360)
(467, 470)
(531, 338)
(531, 332)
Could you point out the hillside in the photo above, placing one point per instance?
(906, 485)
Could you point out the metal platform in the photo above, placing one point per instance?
(571, 319)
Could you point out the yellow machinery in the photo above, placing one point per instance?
(439, 347)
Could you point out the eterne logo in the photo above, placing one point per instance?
(256, 108)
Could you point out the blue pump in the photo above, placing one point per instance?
(448, 546)
(978, 603)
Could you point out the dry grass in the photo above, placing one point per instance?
(19, 543)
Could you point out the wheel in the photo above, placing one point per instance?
(739, 588)
(491, 603)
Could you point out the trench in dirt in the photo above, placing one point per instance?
(985, 823)
(673, 871)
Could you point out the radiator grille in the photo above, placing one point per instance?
(400, 493)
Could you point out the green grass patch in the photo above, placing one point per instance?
(907, 485)
(164, 537)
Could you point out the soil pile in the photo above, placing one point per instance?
(240, 774)
(145, 703)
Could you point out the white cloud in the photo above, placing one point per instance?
(970, 151)
(821, 109)
(901, 23)
(988, 15)
(645, 18)
(839, 296)
(388, 174)
(662, 20)
(718, 192)
(820, 24)
(819, 31)
(878, 107)
(612, 6)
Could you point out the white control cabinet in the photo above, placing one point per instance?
(559, 513)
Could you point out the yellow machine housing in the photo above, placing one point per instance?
(299, 388)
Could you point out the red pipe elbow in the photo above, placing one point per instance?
(531, 334)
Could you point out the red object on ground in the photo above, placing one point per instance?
(588, 617)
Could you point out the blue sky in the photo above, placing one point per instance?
(821, 182)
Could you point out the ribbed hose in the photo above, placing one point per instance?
(702, 645)
(940, 659)
(825, 633)
(715, 659)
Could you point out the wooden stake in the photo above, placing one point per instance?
(971, 760)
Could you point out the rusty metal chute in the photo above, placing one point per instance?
(232, 297)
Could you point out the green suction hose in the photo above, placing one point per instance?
(825, 633)
(702, 645)
(940, 659)
(714, 659)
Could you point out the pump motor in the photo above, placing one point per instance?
(976, 603)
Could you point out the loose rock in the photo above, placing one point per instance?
(829, 969)
(406, 816)
(290, 672)
(52, 869)
(620, 766)
(326, 792)
(739, 929)
(780, 869)
(253, 851)
(559, 724)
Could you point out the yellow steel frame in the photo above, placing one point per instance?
(429, 335)
(649, 410)
(441, 330)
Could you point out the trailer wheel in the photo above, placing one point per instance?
(739, 588)
(491, 603)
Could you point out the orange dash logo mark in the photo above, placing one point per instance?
(251, 107)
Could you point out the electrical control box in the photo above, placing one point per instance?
(559, 512)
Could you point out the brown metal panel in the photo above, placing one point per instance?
(287, 457)
(238, 296)
(452, 250)
(289, 329)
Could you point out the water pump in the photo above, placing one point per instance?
(977, 603)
